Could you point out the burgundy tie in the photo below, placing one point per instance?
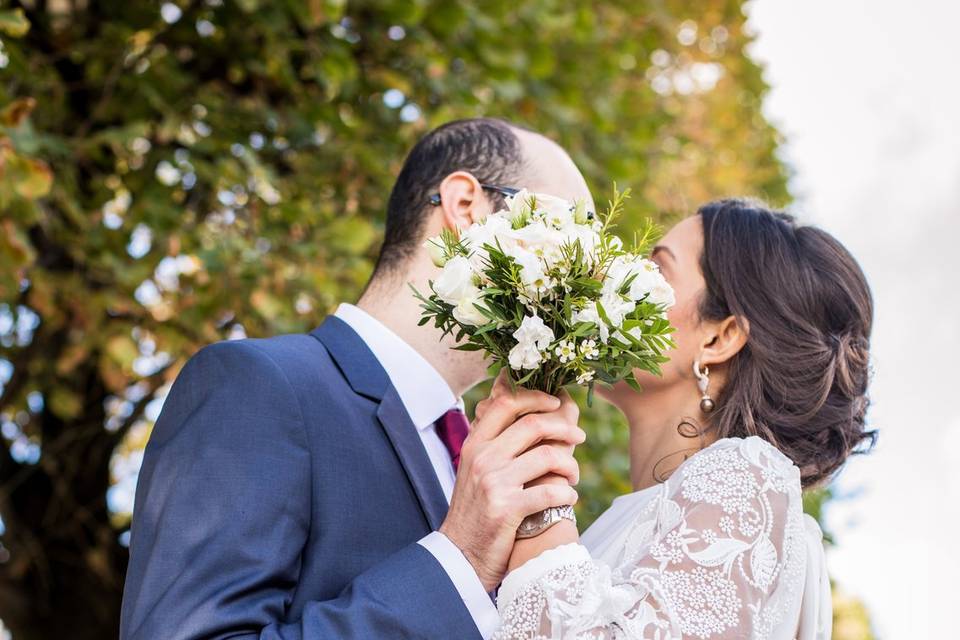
(452, 428)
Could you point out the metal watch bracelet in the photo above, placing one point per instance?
(536, 523)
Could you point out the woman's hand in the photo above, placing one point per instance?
(564, 532)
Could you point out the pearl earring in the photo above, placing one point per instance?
(707, 404)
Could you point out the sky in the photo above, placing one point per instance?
(867, 95)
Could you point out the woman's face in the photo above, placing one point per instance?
(678, 255)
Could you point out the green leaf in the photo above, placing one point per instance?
(17, 111)
(14, 23)
(603, 314)
(633, 383)
(64, 403)
(31, 178)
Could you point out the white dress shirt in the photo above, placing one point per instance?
(426, 396)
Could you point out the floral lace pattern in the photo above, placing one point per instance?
(719, 553)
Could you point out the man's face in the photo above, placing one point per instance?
(550, 170)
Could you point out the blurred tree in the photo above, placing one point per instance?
(851, 621)
(176, 174)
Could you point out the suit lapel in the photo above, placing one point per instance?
(355, 360)
(365, 375)
(409, 448)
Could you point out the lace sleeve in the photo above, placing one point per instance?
(719, 554)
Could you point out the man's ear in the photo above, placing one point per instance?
(462, 200)
(725, 340)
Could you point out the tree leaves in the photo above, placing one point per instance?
(14, 23)
(17, 111)
(281, 150)
(30, 178)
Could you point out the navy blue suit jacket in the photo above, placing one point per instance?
(281, 496)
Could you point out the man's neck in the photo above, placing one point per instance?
(393, 305)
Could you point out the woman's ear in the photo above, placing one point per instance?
(462, 200)
(725, 340)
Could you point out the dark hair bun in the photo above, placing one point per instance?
(801, 380)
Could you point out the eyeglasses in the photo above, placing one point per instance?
(504, 191)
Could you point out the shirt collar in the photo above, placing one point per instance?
(425, 394)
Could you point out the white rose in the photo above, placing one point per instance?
(646, 276)
(542, 241)
(643, 283)
(589, 239)
(455, 281)
(662, 294)
(466, 311)
(590, 314)
(648, 282)
(533, 337)
(518, 208)
(524, 358)
(486, 232)
(556, 212)
(533, 330)
(494, 230)
(616, 308)
(636, 332)
(617, 273)
(532, 275)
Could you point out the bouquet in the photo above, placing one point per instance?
(549, 292)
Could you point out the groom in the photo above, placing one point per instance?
(306, 486)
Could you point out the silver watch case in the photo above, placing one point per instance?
(536, 523)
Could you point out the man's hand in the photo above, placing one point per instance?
(516, 437)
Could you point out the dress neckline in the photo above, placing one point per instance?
(643, 492)
(637, 493)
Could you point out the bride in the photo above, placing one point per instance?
(765, 396)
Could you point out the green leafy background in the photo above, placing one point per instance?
(179, 173)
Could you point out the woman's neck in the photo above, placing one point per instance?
(664, 428)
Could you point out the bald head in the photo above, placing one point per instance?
(548, 168)
(495, 153)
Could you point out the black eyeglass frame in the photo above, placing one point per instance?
(504, 191)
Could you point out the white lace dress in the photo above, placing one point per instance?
(721, 550)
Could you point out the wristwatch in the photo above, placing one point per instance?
(536, 523)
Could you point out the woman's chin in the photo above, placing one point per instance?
(623, 395)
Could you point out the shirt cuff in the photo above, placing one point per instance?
(465, 579)
(535, 568)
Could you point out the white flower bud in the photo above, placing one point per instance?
(436, 251)
(580, 215)
(466, 311)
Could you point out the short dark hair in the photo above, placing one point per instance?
(801, 380)
(486, 147)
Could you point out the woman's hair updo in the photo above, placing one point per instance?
(800, 382)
